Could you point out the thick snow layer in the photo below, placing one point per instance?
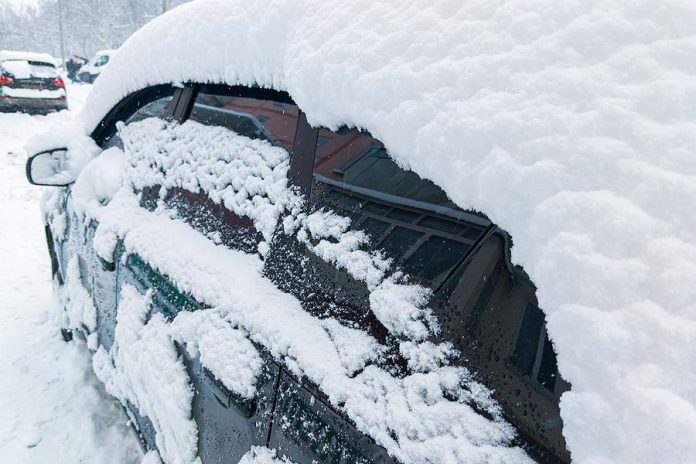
(80, 311)
(249, 177)
(143, 368)
(27, 56)
(98, 182)
(52, 407)
(261, 455)
(20, 69)
(571, 125)
(223, 350)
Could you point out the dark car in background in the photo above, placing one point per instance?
(30, 82)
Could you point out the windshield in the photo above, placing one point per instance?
(23, 69)
(100, 60)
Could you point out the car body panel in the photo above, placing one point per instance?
(479, 297)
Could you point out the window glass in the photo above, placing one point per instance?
(102, 60)
(152, 102)
(248, 114)
(156, 108)
(528, 339)
(409, 218)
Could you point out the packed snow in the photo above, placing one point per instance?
(144, 369)
(570, 125)
(52, 407)
(260, 455)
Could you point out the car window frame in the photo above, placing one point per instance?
(106, 129)
(302, 153)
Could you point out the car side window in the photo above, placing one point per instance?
(408, 218)
(257, 114)
(254, 113)
(534, 355)
(152, 102)
(102, 60)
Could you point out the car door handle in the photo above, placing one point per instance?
(227, 398)
(105, 265)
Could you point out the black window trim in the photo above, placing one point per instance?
(407, 202)
(129, 105)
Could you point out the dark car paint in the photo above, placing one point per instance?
(480, 306)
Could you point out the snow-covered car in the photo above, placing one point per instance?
(369, 274)
(376, 277)
(90, 71)
(30, 82)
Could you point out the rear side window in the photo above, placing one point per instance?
(22, 69)
(256, 113)
(102, 60)
(534, 355)
(409, 218)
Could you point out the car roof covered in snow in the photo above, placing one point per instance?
(572, 126)
(27, 56)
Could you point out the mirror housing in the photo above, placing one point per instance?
(49, 168)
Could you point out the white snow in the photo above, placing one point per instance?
(402, 309)
(261, 455)
(223, 350)
(249, 177)
(99, 181)
(7, 55)
(79, 309)
(328, 235)
(18, 68)
(52, 407)
(143, 368)
(571, 125)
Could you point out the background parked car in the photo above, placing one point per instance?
(91, 70)
(73, 66)
(30, 82)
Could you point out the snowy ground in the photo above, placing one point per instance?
(52, 407)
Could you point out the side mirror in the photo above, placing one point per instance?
(50, 168)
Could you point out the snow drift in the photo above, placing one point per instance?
(572, 125)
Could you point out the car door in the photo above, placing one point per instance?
(228, 425)
(74, 243)
(483, 304)
(152, 102)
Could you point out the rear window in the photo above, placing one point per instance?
(102, 60)
(409, 218)
(22, 69)
(257, 114)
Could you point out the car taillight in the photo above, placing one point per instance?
(58, 82)
(5, 80)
